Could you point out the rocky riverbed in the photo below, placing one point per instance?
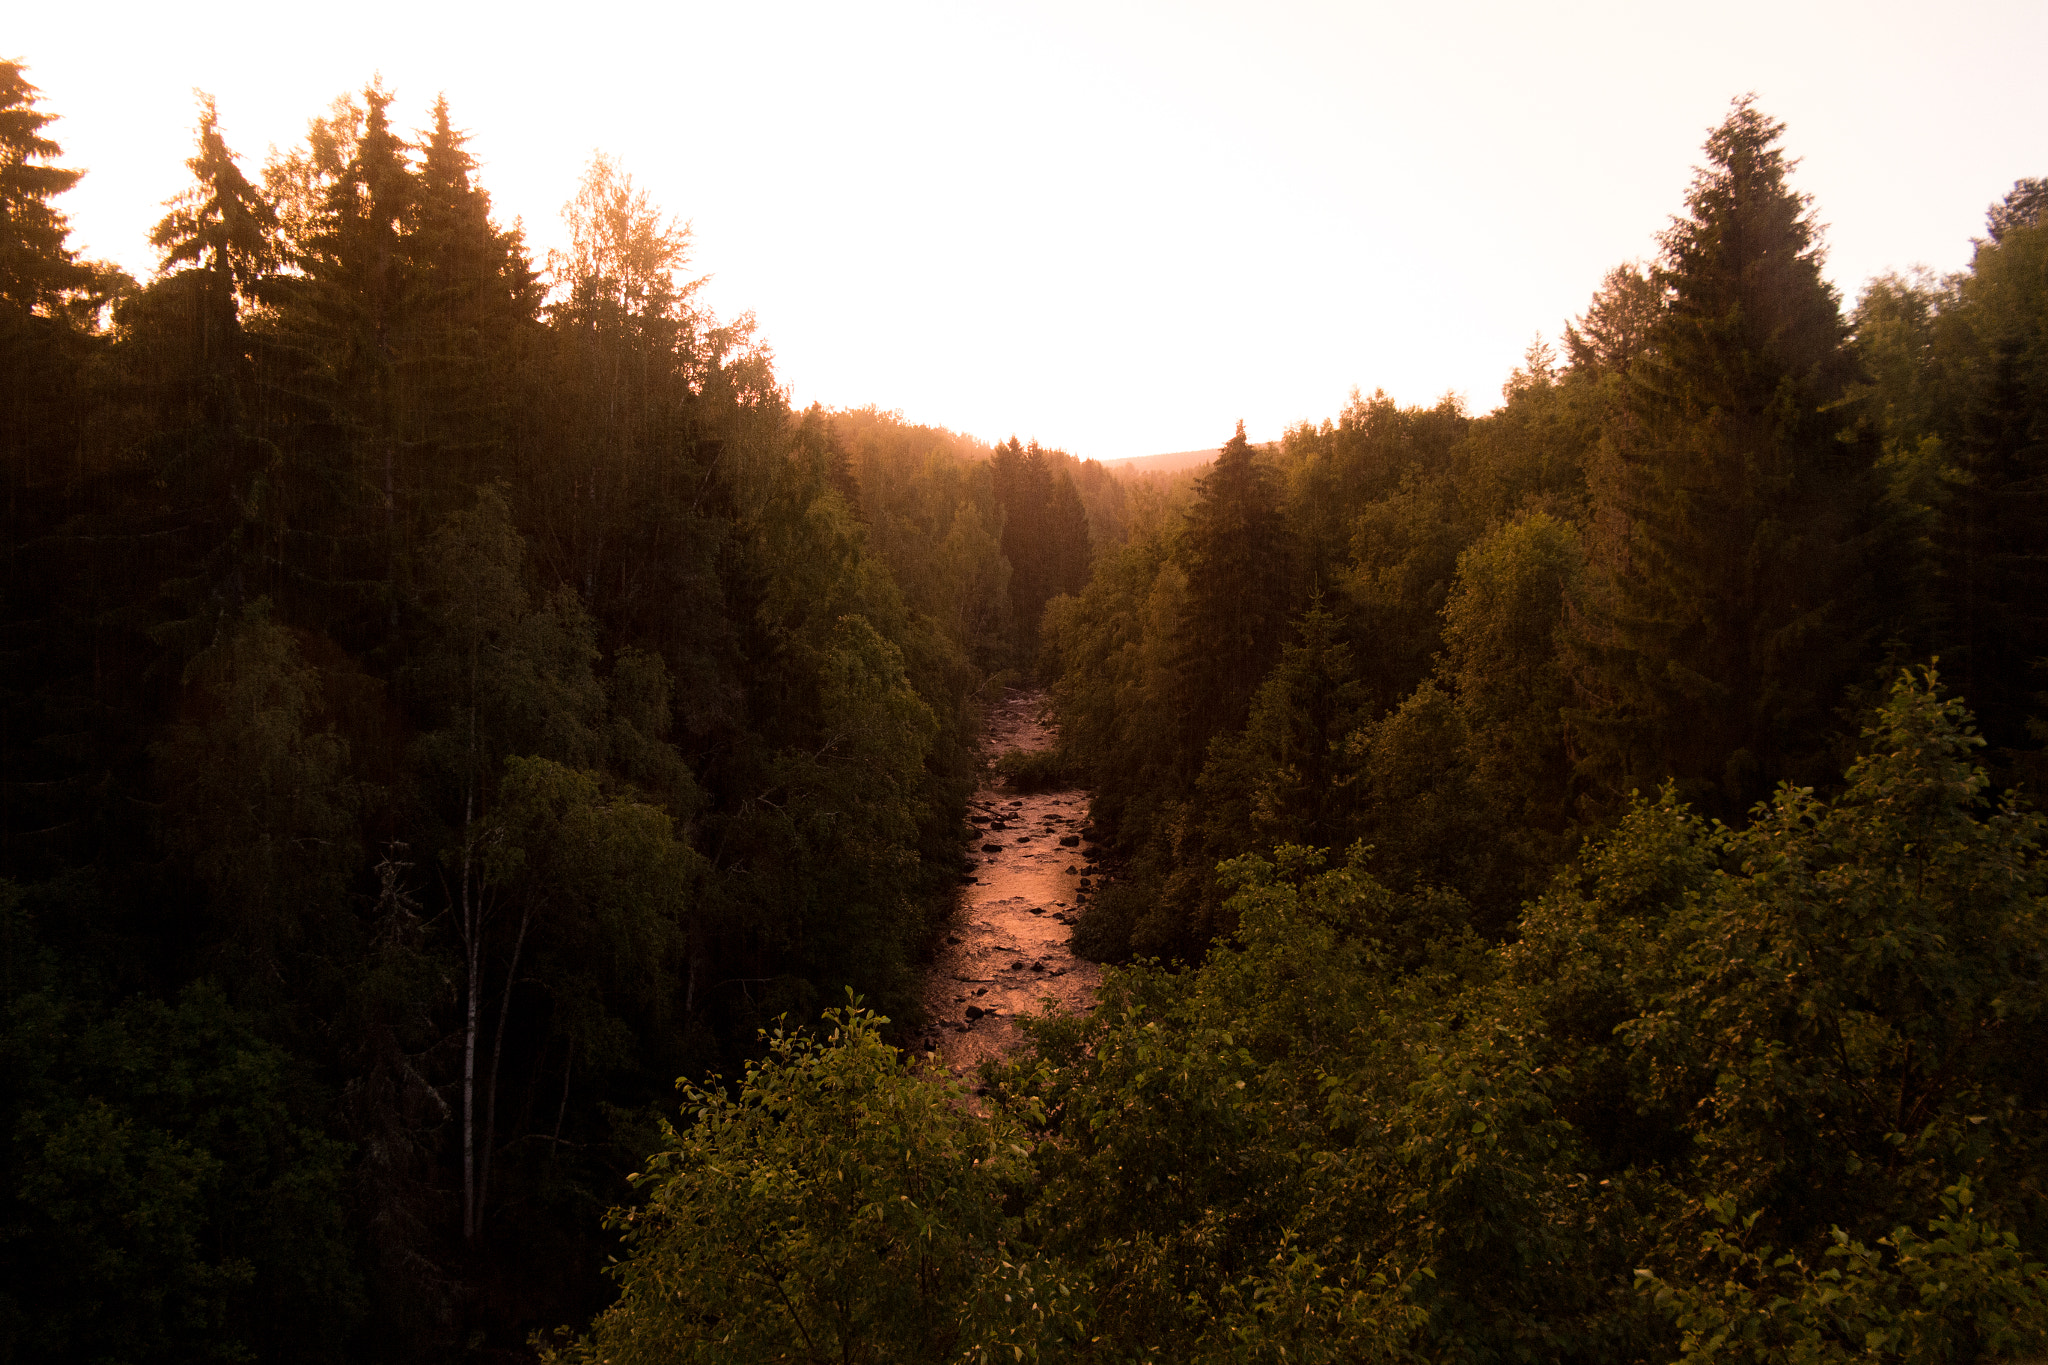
(1008, 952)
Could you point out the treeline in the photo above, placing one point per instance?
(450, 696)
(446, 698)
(1573, 919)
(1692, 548)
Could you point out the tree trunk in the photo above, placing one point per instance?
(472, 947)
(483, 1179)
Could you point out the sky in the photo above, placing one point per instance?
(1113, 228)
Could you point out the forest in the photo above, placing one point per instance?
(481, 773)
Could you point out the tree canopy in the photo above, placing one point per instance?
(1559, 901)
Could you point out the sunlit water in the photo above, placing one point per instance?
(1007, 953)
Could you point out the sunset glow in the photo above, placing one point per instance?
(1116, 228)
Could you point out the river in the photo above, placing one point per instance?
(1008, 951)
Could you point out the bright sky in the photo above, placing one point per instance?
(1112, 227)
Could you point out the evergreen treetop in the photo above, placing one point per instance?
(1729, 611)
(37, 268)
(222, 224)
(1236, 555)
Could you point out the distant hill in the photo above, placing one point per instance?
(1171, 462)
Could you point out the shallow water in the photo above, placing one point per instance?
(1007, 952)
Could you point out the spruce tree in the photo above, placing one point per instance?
(1281, 781)
(218, 242)
(184, 350)
(41, 344)
(222, 224)
(50, 341)
(1016, 480)
(1727, 614)
(1045, 532)
(1236, 557)
(1067, 531)
(474, 299)
(37, 269)
(1991, 355)
(331, 346)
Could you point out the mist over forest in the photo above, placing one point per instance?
(485, 779)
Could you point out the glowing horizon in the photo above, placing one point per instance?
(1112, 229)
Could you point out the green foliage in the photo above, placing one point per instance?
(1962, 1292)
(1280, 781)
(1356, 1129)
(1235, 553)
(1959, 393)
(610, 888)
(501, 673)
(1849, 1015)
(37, 269)
(511, 704)
(1833, 1013)
(167, 1197)
(1287, 1149)
(259, 795)
(1501, 629)
(1468, 781)
(1734, 604)
(837, 1207)
(507, 703)
(1113, 656)
(928, 501)
(1045, 532)
(221, 224)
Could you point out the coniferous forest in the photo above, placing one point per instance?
(481, 775)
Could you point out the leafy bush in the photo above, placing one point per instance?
(1963, 1292)
(841, 1207)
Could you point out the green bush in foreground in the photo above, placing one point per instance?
(840, 1208)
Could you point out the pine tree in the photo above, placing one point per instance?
(1067, 533)
(1724, 619)
(37, 269)
(185, 352)
(1236, 557)
(474, 301)
(42, 348)
(1618, 325)
(341, 511)
(1281, 781)
(218, 243)
(222, 225)
(1045, 532)
(59, 679)
(1992, 536)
